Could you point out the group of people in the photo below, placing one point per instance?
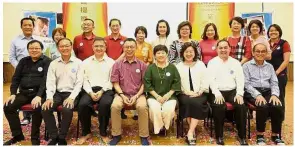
(117, 71)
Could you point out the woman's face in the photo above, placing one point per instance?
(185, 31)
(210, 32)
(162, 28)
(140, 36)
(57, 36)
(274, 33)
(161, 56)
(189, 54)
(254, 30)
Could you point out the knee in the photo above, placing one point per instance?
(262, 107)
(8, 108)
(116, 107)
(141, 107)
(67, 111)
(239, 106)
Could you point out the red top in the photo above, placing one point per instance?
(286, 46)
(234, 42)
(83, 46)
(114, 47)
(208, 50)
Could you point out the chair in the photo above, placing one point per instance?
(29, 108)
(253, 108)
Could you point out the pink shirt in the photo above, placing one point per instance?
(129, 75)
(208, 50)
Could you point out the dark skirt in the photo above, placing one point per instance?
(195, 107)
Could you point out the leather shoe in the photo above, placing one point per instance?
(242, 141)
(220, 141)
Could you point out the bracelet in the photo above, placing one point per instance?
(120, 93)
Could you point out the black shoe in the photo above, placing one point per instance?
(62, 142)
(277, 140)
(14, 140)
(35, 142)
(123, 115)
(190, 142)
(163, 132)
(135, 117)
(52, 142)
(115, 140)
(242, 141)
(260, 140)
(103, 133)
(144, 141)
(94, 114)
(220, 141)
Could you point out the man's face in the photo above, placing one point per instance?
(87, 26)
(99, 48)
(65, 47)
(223, 50)
(259, 52)
(115, 27)
(129, 48)
(27, 27)
(35, 50)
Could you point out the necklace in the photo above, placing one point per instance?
(160, 74)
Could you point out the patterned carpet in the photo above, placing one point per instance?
(130, 134)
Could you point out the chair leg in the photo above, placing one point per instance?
(78, 128)
(46, 134)
(249, 125)
(177, 128)
(211, 126)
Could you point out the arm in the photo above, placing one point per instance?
(268, 56)
(176, 83)
(75, 46)
(212, 80)
(249, 88)
(204, 79)
(86, 83)
(172, 53)
(78, 82)
(240, 81)
(286, 50)
(12, 55)
(274, 84)
(51, 81)
(16, 78)
(42, 87)
(108, 85)
(150, 54)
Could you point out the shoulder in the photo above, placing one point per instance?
(78, 37)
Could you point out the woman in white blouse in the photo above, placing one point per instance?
(194, 84)
(163, 31)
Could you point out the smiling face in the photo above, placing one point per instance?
(185, 31)
(140, 36)
(210, 32)
(27, 27)
(35, 50)
(162, 28)
(189, 54)
(57, 36)
(87, 26)
(99, 48)
(236, 26)
(161, 56)
(223, 50)
(129, 48)
(259, 52)
(255, 29)
(115, 27)
(65, 47)
(273, 33)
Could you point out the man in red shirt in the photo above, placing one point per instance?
(83, 43)
(115, 40)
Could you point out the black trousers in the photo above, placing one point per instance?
(85, 107)
(283, 79)
(12, 115)
(219, 110)
(263, 111)
(67, 115)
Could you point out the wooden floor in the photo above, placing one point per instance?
(130, 133)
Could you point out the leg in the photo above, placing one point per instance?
(218, 111)
(282, 86)
(116, 108)
(276, 115)
(67, 115)
(105, 103)
(143, 117)
(168, 111)
(36, 123)
(155, 114)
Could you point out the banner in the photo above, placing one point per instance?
(200, 14)
(45, 22)
(75, 13)
(265, 18)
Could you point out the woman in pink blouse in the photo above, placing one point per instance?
(207, 45)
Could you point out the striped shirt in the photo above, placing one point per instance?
(257, 76)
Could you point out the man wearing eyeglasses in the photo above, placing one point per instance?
(63, 85)
(30, 78)
(262, 91)
(97, 89)
(83, 43)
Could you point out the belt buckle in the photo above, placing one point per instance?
(31, 89)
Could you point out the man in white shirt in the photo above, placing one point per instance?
(227, 85)
(97, 89)
(64, 82)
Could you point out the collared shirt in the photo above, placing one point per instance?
(52, 52)
(64, 77)
(83, 46)
(224, 76)
(145, 53)
(199, 77)
(97, 73)
(30, 75)
(18, 48)
(114, 46)
(129, 75)
(260, 76)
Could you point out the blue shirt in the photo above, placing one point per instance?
(260, 76)
(18, 48)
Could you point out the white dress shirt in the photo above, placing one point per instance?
(198, 74)
(97, 73)
(64, 77)
(224, 76)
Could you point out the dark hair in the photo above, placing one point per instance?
(35, 41)
(160, 48)
(257, 22)
(129, 39)
(89, 19)
(216, 36)
(99, 39)
(278, 28)
(114, 19)
(44, 20)
(59, 30)
(238, 19)
(222, 40)
(182, 24)
(64, 39)
(27, 18)
(167, 25)
(140, 28)
(259, 44)
(185, 46)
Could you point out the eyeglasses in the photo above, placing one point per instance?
(35, 48)
(260, 52)
(64, 46)
(132, 47)
(99, 46)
